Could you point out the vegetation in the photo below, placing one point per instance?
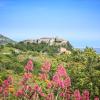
(82, 67)
(5, 40)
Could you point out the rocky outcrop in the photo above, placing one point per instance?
(64, 50)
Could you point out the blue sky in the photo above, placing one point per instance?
(75, 20)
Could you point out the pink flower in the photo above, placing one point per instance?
(50, 96)
(61, 84)
(85, 95)
(77, 95)
(61, 71)
(56, 79)
(68, 95)
(67, 81)
(19, 93)
(37, 88)
(96, 98)
(9, 79)
(49, 85)
(29, 66)
(5, 92)
(27, 76)
(27, 88)
(5, 83)
(42, 94)
(62, 94)
(1, 89)
(46, 67)
(43, 76)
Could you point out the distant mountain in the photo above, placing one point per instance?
(5, 40)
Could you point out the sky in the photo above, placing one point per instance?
(77, 21)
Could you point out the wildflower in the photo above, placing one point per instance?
(56, 78)
(9, 79)
(77, 95)
(46, 67)
(85, 95)
(27, 76)
(5, 93)
(5, 83)
(61, 71)
(19, 93)
(27, 88)
(61, 84)
(50, 96)
(67, 81)
(49, 85)
(68, 95)
(96, 98)
(42, 94)
(62, 94)
(37, 88)
(29, 66)
(1, 89)
(43, 76)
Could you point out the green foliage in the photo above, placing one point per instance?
(3, 76)
(41, 47)
(37, 66)
(83, 66)
(18, 70)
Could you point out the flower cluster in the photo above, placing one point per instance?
(62, 82)
(28, 91)
(46, 67)
(61, 79)
(6, 87)
(29, 66)
(44, 70)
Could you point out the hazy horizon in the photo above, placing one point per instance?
(77, 21)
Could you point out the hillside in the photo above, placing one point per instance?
(5, 40)
(46, 43)
(80, 66)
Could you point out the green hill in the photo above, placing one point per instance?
(5, 40)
